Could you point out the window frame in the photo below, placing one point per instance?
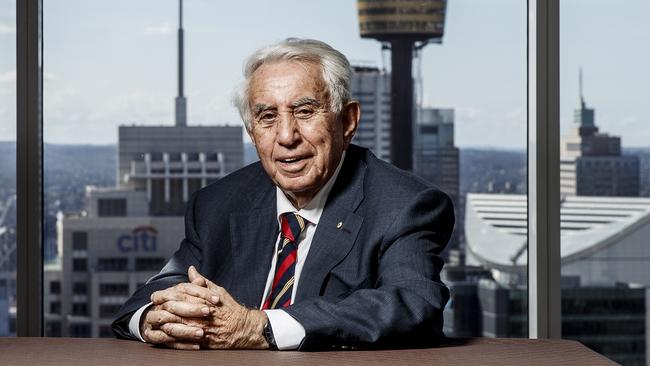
(544, 315)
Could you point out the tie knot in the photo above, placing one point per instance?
(292, 225)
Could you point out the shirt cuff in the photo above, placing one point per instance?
(134, 323)
(288, 333)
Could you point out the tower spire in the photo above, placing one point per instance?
(181, 101)
(582, 98)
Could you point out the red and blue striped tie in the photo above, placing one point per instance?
(280, 296)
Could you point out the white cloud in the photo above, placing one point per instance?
(7, 77)
(159, 29)
(6, 29)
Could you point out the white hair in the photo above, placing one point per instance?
(335, 68)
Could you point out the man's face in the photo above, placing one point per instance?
(298, 139)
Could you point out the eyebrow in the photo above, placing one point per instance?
(258, 108)
(306, 100)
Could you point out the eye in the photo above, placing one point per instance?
(303, 112)
(266, 118)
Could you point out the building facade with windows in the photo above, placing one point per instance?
(604, 267)
(127, 233)
(370, 85)
(591, 162)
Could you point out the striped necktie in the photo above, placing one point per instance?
(292, 225)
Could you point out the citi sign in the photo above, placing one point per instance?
(141, 239)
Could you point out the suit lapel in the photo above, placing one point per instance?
(337, 228)
(252, 235)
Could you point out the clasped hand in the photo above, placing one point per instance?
(200, 314)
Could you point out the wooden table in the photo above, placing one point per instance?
(113, 352)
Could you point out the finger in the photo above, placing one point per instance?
(157, 336)
(185, 292)
(186, 309)
(182, 332)
(184, 346)
(159, 317)
(195, 277)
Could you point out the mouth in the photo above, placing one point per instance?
(293, 164)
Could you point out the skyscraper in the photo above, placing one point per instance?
(435, 158)
(371, 87)
(591, 162)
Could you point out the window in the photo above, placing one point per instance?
(53, 328)
(80, 330)
(111, 207)
(604, 305)
(105, 331)
(80, 240)
(80, 288)
(55, 307)
(55, 287)
(112, 264)
(58, 31)
(113, 289)
(80, 308)
(149, 264)
(8, 146)
(107, 311)
(79, 265)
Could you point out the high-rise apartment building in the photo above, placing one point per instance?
(591, 162)
(371, 87)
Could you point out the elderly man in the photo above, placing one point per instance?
(318, 245)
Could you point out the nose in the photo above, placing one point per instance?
(288, 133)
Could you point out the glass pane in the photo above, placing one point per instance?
(119, 171)
(7, 168)
(604, 176)
(478, 73)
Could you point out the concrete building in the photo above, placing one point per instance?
(591, 163)
(127, 233)
(171, 162)
(605, 277)
(371, 87)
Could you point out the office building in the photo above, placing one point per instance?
(371, 87)
(591, 162)
(435, 156)
(171, 162)
(604, 246)
(611, 320)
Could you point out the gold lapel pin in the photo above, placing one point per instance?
(339, 225)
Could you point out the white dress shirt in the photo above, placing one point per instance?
(287, 331)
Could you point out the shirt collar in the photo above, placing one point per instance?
(313, 210)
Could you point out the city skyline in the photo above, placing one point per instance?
(129, 77)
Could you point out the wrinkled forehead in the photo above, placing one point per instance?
(287, 80)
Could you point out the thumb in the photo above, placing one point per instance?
(195, 277)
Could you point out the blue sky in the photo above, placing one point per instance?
(113, 62)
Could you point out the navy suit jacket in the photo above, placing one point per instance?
(373, 281)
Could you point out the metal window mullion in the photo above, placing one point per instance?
(29, 259)
(544, 311)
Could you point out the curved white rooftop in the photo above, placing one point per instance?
(496, 226)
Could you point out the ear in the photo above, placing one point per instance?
(350, 116)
